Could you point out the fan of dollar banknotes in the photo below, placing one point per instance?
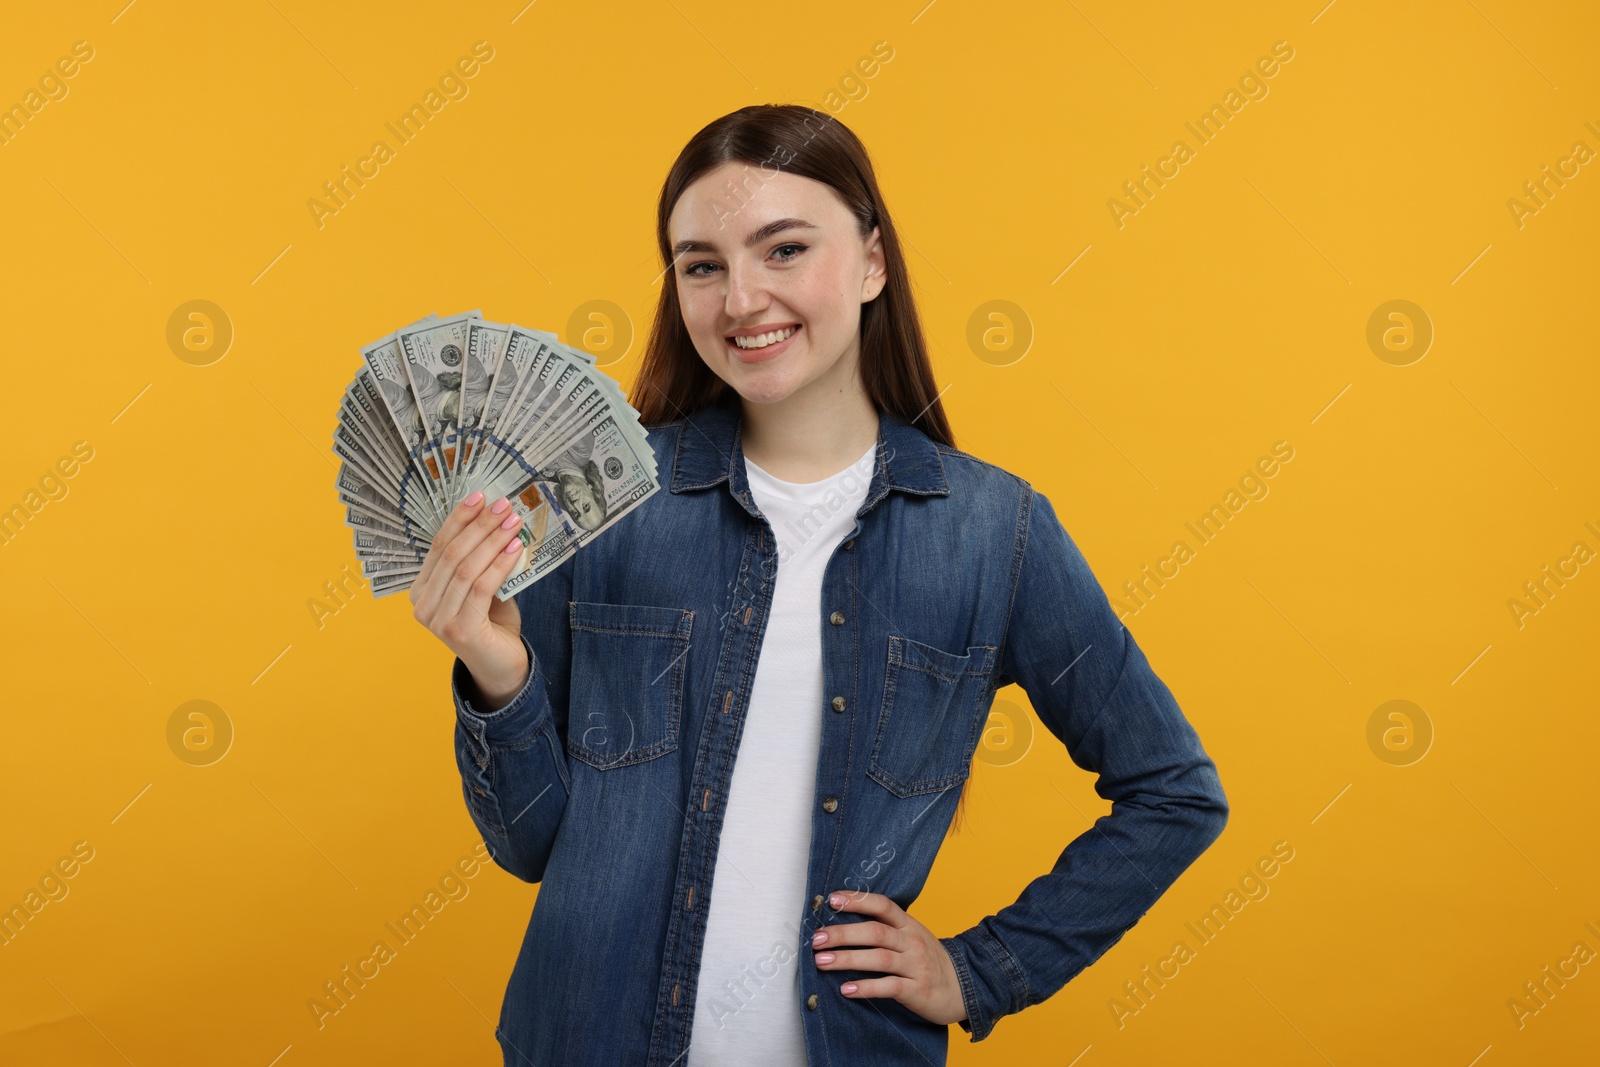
(446, 406)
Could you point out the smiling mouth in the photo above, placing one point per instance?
(762, 340)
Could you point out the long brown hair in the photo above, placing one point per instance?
(896, 372)
(674, 382)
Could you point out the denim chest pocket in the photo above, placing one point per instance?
(628, 669)
(929, 724)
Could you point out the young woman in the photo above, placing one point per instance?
(729, 735)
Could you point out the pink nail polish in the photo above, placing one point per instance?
(515, 545)
(499, 505)
(510, 521)
(848, 987)
(472, 500)
(819, 937)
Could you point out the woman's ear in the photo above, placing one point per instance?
(877, 276)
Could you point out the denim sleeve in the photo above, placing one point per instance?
(512, 760)
(1092, 687)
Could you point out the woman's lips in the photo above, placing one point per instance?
(761, 355)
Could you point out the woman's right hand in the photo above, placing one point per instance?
(454, 597)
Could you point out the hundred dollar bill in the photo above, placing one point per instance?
(486, 343)
(387, 364)
(373, 567)
(360, 521)
(525, 354)
(594, 482)
(563, 377)
(478, 366)
(381, 545)
(384, 584)
(353, 444)
(619, 400)
(355, 434)
(435, 362)
(367, 507)
(551, 408)
(367, 399)
(360, 466)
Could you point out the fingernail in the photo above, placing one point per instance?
(499, 505)
(837, 900)
(514, 545)
(474, 499)
(848, 987)
(824, 957)
(819, 937)
(510, 521)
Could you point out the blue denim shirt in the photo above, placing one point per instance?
(606, 778)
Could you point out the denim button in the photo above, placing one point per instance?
(478, 791)
(816, 902)
(850, 543)
(838, 703)
(830, 805)
(837, 618)
(811, 1002)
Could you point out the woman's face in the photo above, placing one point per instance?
(759, 251)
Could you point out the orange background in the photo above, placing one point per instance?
(183, 560)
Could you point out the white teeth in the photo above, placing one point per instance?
(765, 339)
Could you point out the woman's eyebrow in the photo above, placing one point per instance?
(775, 227)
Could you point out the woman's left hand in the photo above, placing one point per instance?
(918, 972)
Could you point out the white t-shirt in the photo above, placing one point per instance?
(747, 1004)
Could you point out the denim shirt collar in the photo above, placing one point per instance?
(709, 450)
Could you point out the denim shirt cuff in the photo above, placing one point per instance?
(503, 725)
(992, 984)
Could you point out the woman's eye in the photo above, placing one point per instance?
(785, 253)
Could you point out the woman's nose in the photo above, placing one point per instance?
(746, 295)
